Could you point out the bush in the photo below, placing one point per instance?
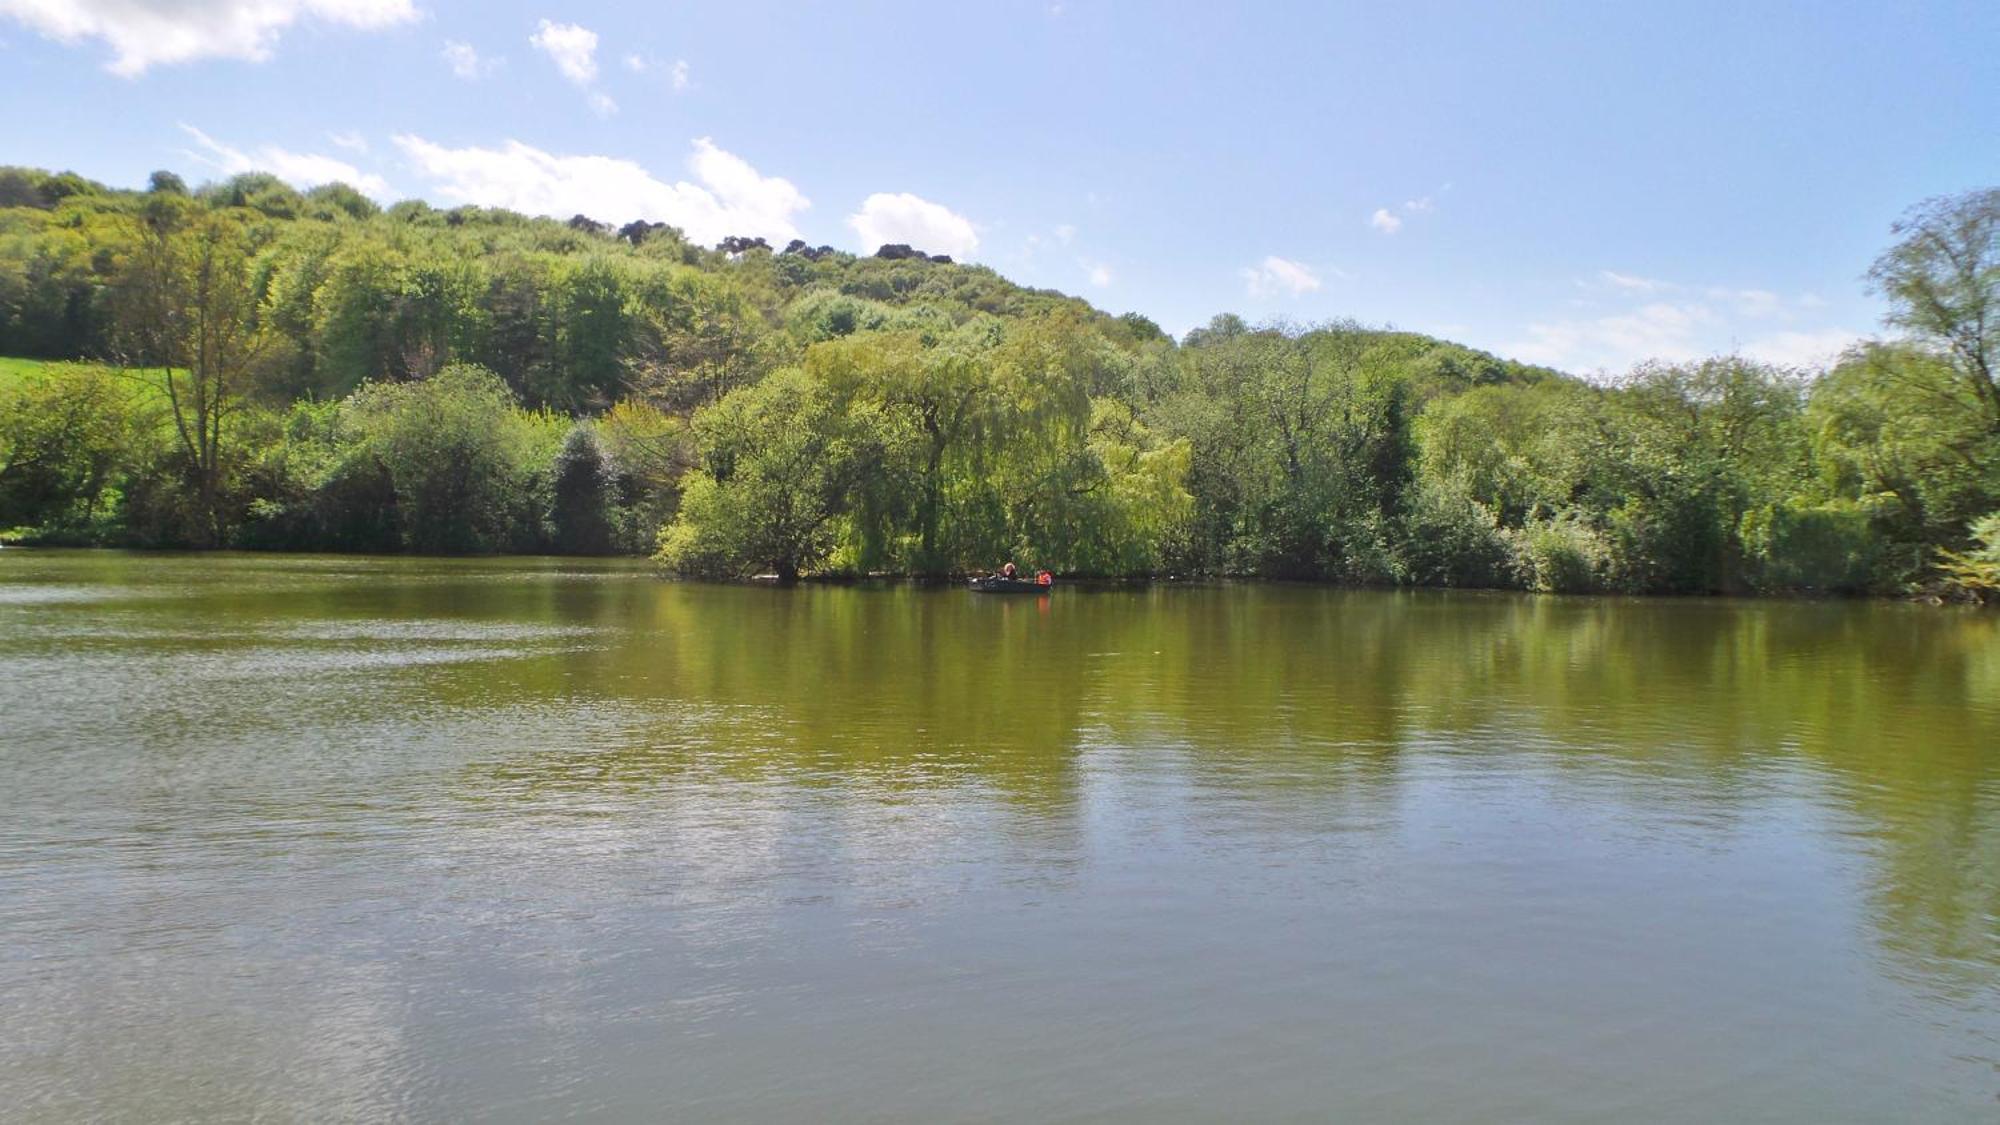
(320, 487)
(1975, 574)
(66, 434)
(1364, 553)
(1559, 556)
(1817, 548)
(1675, 539)
(1450, 539)
(467, 466)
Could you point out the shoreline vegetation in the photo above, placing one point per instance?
(244, 365)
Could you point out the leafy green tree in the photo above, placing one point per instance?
(943, 396)
(779, 460)
(65, 434)
(256, 191)
(338, 200)
(319, 485)
(1451, 539)
(1303, 443)
(189, 320)
(581, 514)
(590, 338)
(694, 337)
(466, 465)
(1523, 450)
(650, 451)
(354, 313)
(1700, 445)
(1560, 555)
(1892, 423)
(1943, 284)
(1109, 506)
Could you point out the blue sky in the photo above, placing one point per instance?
(1585, 185)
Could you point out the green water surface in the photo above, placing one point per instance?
(341, 838)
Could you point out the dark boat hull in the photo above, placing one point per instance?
(1007, 586)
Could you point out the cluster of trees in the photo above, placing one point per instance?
(262, 367)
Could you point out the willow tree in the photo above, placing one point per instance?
(1925, 411)
(1943, 284)
(942, 392)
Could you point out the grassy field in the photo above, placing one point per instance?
(14, 371)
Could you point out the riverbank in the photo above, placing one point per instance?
(1936, 595)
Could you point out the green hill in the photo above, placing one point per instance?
(351, 377)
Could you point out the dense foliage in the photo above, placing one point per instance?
(249, 365)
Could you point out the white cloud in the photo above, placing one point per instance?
(148, 33)
(1633, 282)
(351, 140)
(1658, 330)
(677, 73)
(300, 169)
(887, 218)
(1098, 272)
(729, 196)
(1756, 303)
(1065, 233)
(602, 104)
(1802, 349)
(1389, 222)
(466, 62)
(573, 48)
(1275, 275)
(1676, 322)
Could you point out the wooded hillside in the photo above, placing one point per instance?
(249, 365)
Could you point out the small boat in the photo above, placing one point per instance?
(994, 584)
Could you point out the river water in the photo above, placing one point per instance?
(322, 838)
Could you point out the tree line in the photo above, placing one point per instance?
(247, 365)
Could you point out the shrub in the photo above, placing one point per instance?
(66, 434)
(1559, 556)
(467, 466)
(1450, 539)
(1820, 548)
(1673, 539)
(1975, 574)
(320, 486)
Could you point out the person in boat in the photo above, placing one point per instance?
(1008, 572)
(1044, 578)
